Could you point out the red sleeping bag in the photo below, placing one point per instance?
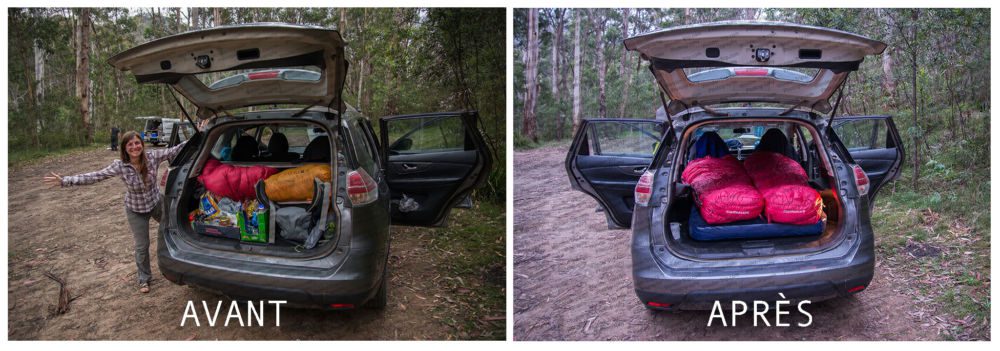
(724, 191)
(234, 182)
(785, 187)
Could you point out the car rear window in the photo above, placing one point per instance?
(795, 74)
(222, 80)
(298, 135)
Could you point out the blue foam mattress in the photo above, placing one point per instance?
(752, 229)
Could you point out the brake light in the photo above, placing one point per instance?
(361, 188)
(644, 189)
(163, 180)
(861, 179)
(658, 304)
(262, 75)
(751, 72)
(341, 306)
(856, 289)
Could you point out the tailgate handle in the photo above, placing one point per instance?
(408, 167)
(639, 169)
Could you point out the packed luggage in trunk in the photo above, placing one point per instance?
(753, 185)
(265, 185)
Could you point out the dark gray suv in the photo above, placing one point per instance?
(412, 173)
(741, 81)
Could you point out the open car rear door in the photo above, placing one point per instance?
(874, 144)
(606, 160)
(179, 60)
(740, 61)
(432, 162)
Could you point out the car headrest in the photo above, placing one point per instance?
(278, 144)
(245, 149)
(710, 144)
(318, 150)
(774, 141)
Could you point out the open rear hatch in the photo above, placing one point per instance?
(177, 60)
(754, 62)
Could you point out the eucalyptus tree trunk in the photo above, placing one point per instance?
(557, 73)
(625, 71)
(83, 71)
(598, 21)
(343, 21)
(557, 27)
(625, 34)
(577, 119)
(529, 123)
(888, 80)
(913, 69)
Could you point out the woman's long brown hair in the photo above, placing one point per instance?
(143, 171)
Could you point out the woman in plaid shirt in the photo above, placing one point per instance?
(137, 169)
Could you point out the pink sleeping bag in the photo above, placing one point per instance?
(724, 190)
(234, 182)
(784, 184)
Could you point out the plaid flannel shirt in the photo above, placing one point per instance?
(139, 197)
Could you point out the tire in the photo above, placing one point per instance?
(381, 298)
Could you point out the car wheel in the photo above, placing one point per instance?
(381, 298)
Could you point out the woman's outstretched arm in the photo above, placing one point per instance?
(157, 156)
(111, 170)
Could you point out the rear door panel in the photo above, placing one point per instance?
(874, 144)
(606, 160)
(432, 162)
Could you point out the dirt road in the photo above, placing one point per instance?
(572, 279)
(80, 234)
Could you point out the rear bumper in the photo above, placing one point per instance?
(353, 282)
(699, 288)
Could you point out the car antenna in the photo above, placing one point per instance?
(171, 90)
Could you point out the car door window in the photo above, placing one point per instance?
(865, 134)
(624, 139)
(426, 134)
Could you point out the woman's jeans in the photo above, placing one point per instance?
(139, 222)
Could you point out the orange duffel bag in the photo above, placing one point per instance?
(295, 184)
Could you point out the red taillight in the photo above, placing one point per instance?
(644, 189)
(658, 304)
(341, 305)
(262, 75)
(861, 179)
(855, 289)
(163, 180)
(751, 72)
(361, 188)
